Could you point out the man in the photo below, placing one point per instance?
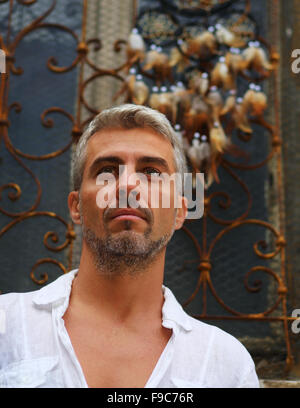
(112, 323)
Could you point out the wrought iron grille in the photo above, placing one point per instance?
(228, 267)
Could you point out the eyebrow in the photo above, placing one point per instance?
(117, 160)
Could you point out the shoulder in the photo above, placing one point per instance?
(219, 339)
(227, 361)
(10, 302)
(48, 294)
(26, 321)
(14, 316)
(16, 309)
(215, 340)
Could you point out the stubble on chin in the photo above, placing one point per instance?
(123, 253)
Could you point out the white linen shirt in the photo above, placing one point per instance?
(36, 350)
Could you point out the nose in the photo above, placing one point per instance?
(126, 184)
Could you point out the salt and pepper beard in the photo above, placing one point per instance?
(125, 252)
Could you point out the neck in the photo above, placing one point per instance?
(121, 297)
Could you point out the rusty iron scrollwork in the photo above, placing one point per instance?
(13, 190)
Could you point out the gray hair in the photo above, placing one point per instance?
(127, 116)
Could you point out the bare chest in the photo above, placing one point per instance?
(119, 358)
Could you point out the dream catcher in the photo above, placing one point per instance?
(205, 75)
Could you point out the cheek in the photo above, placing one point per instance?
(165, 219)
(89, 208)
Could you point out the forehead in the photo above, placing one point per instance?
(129, 143)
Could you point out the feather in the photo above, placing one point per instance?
(151, 58)
(222, 77)
(135, 46)
(229, 104)
(218, 139)
(193, 154)
(213, 174)
(239, 115)
(227, 37)
(140, 93)
(260, 104)
(214, 97)
(209, 179)
(164, 103)
(224, 36)
(256, 59)
(204, 151)
(215, 101)
(159, 62)
(198, 151)
(262, 59)
(183, 98)
(200, 83)
(235, 62)
(203, 45)
(199, 105)
(178, 59)
(192, 121)
(256, 102)
(137, 91)
(154, 101)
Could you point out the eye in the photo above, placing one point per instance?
(152, 170)
(106, 169)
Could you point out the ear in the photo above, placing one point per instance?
(73, 203)
(182, 211)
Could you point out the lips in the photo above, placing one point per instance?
(127, 212)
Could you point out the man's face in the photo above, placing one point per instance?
(129, 238)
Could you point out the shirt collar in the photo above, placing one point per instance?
(60, 289)
(172, 311)
(56, 291)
